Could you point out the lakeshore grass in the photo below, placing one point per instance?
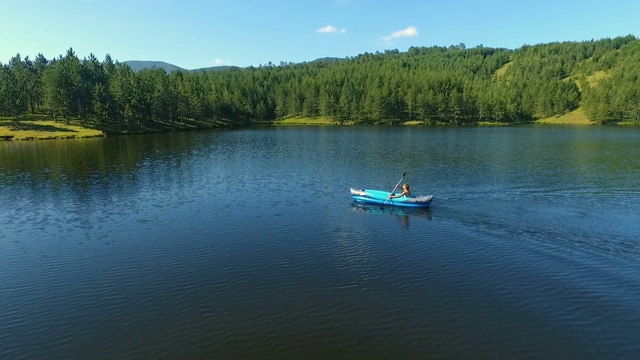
(413, 122)
(40, 127)
(489, 123)
(576, 117)
(321, 120)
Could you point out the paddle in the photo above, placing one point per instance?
(394, 189)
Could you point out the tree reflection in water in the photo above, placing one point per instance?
(402, 214)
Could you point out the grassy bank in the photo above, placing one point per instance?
(576, 117)
(328, 121)
(321, 120)
(40, 127)
(155, 126)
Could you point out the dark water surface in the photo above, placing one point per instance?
(245, 244)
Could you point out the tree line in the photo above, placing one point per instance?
(452, 85)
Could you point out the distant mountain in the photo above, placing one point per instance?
(138, 65)
(216, 68)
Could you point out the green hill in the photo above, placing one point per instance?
(580, 82)
(592, 81)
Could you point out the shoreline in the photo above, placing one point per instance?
(40, 127)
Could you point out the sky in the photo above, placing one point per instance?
(199, 33)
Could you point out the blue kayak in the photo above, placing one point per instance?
(382, 197)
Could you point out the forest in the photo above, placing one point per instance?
(432, 85)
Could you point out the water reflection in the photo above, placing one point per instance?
(403, 215)
(242, 242)
(81, 163)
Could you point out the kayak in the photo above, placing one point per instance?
(382, 197)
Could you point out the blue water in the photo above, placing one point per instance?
(246, 244)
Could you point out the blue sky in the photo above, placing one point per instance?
(194, 34)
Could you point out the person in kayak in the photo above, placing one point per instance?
(405, 192)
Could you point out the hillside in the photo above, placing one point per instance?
(567, 82)
(580, 82)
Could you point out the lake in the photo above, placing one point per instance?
(246, 244)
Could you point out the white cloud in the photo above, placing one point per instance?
(408, 32)
(330, 29)
(218, 62)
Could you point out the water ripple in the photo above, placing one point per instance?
(245, 244)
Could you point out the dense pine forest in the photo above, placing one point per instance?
(444, 85)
